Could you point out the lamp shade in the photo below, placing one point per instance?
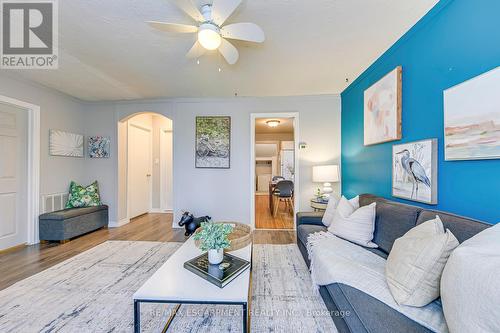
(325, 173)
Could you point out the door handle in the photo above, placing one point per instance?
(148, 175)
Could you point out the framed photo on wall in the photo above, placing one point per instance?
(414, 171)
(382, 109)
(472, 118)
(213, 142)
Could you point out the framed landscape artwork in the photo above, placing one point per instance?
(65, 144)
(98, 146)
(414, 171)
(213, 142)
(382, 109)
(472, 118)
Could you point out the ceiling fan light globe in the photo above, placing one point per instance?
(209, 37)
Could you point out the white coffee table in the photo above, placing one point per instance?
(172, 283)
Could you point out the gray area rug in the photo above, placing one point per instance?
(92, 292)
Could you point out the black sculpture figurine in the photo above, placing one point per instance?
(191, 223)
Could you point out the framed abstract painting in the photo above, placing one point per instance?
(472, 118)
(63, 143)
(213, 142)
(414, 171)
(382, 109)
(98, 146)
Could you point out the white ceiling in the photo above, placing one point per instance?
(107, 52)
(285, 126)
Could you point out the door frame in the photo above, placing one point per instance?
(296, 200)
(33, 165)
(150, 131)
(163, 133)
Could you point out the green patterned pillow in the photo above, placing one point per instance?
(80, 196)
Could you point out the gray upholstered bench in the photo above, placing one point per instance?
(64, 224)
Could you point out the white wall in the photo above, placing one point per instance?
(223, 194)
(57, 111)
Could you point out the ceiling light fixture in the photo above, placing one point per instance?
(272, 123)
(213, 33)
(209, 36)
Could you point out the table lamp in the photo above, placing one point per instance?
(326, 174)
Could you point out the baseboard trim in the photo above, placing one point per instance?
(116, 224)
(160, 211)
(13, 248)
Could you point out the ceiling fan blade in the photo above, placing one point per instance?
(229, 52)
(196, 51)
(244, 31)
(173, 27)
(188, 7)
(222, 9)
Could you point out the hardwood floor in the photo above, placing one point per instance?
(274, 237)
(21, 263)
(17, 265)
(265, 220)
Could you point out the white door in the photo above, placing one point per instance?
(139, 170)
(13, 175)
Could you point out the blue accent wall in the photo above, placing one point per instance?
(457, 40)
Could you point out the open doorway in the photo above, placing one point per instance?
(145, 163)
(274, 170)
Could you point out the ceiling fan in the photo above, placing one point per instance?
(212, 34)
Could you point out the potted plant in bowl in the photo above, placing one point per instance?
(213, 238)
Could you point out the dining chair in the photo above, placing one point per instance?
(283, 193)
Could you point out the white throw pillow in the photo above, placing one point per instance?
(353, 223)
(416, 262)
(332, 206)
(470, 285)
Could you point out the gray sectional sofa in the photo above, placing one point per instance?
(351, 309)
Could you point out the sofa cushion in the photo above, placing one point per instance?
(365, 312)
(304, 230)
(470, 285)
(331, 208)
(392, 221)
(71, 212)
(378, 252)
(463, 228)
(416, 262)
(354, 224)
(336, 314)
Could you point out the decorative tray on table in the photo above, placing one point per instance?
(220, 274)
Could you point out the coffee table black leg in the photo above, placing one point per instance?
(245, 318)
(137, 316)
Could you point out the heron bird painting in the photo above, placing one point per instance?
(414, 175)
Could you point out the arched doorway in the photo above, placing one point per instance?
(145, 165)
